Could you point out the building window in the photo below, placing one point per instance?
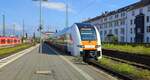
(148, 9)
(133, 13)
(105, 25)
(117, 23)
(105, 19)
(131, 39)
(123, 14)
(110, 24)
(131, 31)
(116, 16)
(110, 18)
(101, 26)
(148, 28)
(105, 32)
(110, 31)
(131, 22)
(122, 31)
(122, 22)
(147, 18)
(116, 31)
(147, 39)
(141, 11)
(101, 20)
(122, 39)
(101, 33)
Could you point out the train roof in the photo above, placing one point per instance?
(84, 24)
(78, 24)
(61, 32)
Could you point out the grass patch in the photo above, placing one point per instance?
(139, 74)
(15, 49)
(128, 48)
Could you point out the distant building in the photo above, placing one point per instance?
(48, 35)
(128, 24)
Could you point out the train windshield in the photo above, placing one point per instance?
(88, 33)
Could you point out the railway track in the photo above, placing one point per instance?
(119, 75)
(110, 71)
(130, 63)
(96, 64)
(137, 60)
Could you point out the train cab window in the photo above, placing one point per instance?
(88, 33)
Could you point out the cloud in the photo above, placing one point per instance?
(59, 6)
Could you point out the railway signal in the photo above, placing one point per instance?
(40, 22)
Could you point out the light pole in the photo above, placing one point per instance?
(23, 29)
(67, 21)
(14, 25)
(40, 23)
(4, 30)
(67, 13)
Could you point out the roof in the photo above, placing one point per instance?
(83, 24)
(139, 4)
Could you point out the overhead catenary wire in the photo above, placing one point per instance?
(91, 3)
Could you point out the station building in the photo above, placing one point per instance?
(129, 24)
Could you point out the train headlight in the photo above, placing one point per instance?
(80, 46)
(97, 46)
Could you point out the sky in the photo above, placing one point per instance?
(53, 13)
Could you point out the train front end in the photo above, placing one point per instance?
(90, 44)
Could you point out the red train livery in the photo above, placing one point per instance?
(4, 41)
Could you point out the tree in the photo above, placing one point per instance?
(111, 38)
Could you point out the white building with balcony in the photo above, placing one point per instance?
(128, 24)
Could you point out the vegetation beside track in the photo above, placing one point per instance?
(138, 49)
(8, 51)
(126, 69)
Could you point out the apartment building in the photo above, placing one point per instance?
(128, 24)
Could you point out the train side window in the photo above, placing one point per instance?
(3, 41)
(11, 41)
(8, 41)
(15, 41)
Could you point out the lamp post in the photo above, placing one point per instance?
(40, 23)
(4, 33)
(14, 33)
(23, 29)
(67, 13)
